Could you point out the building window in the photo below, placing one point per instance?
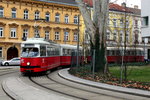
(145, 21)
(121, 36)
(66, 36)
(108, 22)
(36, 33)
(136, 23)
(1, 32)
(121, 23)
(47, 35)
(56, 35)
(127, 36)
(47, 17)
(57, 17)
(108, 35)
(13, 12)
(115, 35)
(37, 15)
(25, 33)
(13, 33)
(136, 38)
(26, 14)
(127, 23)
(75, 19)
(66, 19)
(75, 37)
(1, 12)
(115, 22)
(1, 52)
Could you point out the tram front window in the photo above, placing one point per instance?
(30, 52)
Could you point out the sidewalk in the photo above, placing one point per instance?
(64, 74)
(18, 90)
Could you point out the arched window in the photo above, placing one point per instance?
(127, 36)
(66, 36)
(1, 12)
(75, 19)
(66, 19)
(56, 35)
(25, 33)
(47, 17)
(47, 35)
(37, 15)
(75, 36)
(108, 35)
(1, 31)
(13, 12)
(26, 14)
(115, 35)
(57, 17)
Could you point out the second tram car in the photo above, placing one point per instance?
(115, 54)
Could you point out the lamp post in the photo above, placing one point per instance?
(78, 41)
(36, 26)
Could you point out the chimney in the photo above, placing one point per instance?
(136, 6)
(123, 4)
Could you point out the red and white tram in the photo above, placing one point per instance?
(39, 55)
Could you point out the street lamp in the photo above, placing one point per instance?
(37, 35)
(78, 40)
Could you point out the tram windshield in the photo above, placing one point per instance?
(30, 52)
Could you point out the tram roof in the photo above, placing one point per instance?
(69, 46)
(36, 40)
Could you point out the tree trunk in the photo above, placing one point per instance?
(97, 30)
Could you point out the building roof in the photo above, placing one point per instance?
(135, 11)
(116, 7)
(65, 2)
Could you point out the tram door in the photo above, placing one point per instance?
(148, 53)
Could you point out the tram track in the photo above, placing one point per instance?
(51, 84)
(7, 71)
(46, 87)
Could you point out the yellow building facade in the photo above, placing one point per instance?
(22, 19)
(120, 27)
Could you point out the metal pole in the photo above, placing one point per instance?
(78, 41)
(93, 63)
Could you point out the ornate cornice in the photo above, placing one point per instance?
(67, 29)
(2, 24)
(57, 28)
(26, 25)
(47, 27)
(13, 24)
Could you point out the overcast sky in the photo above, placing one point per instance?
(130, 3)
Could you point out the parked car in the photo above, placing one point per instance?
(13, 61)
(1, 61)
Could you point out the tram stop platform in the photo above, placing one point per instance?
(65, 74)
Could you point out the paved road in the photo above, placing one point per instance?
(6, 72)
(56, 85)
(60, 86)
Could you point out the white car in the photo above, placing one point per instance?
(13, 61)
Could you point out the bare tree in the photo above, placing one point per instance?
(96, 29)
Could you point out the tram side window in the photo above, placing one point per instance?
(113, 53)
(108, 52)
(64, 51)
(42, 50)
(48, 51)
(57, 51)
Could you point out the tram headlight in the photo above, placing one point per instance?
(28, 63)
